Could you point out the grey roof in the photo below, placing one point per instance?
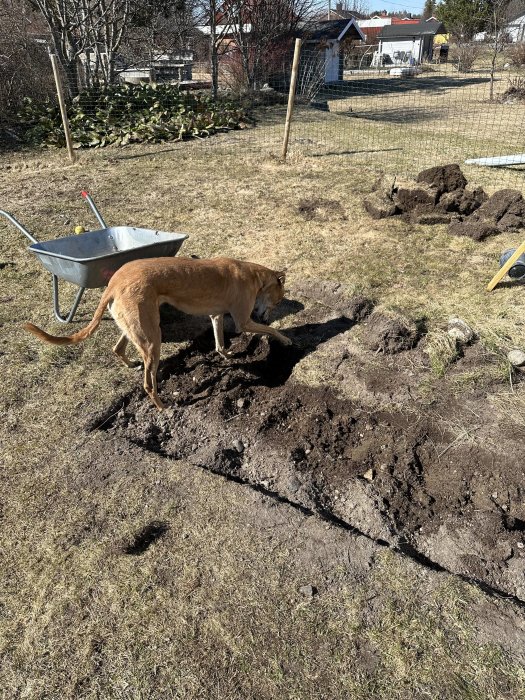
(516, 15)
(317, 31)
(405, 31)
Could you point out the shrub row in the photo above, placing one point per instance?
(123, 114)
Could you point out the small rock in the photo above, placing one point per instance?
(369, 475)
(520, 545)
(516, 358)
(239, 446)
(460, 331)
(308, 591)
(242, 403)
(294, 484)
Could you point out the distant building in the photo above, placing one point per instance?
(516, 26)
(339, 13)
(326, 38)
(408, 44)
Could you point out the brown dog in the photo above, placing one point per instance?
(200, 287)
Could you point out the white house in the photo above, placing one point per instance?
(516, 27)
(407, 44)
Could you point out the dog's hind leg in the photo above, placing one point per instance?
(141, 324)
(120, 351)
(151, 365)
(218, 331)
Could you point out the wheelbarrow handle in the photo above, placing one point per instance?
(18, 225)
(93, 206)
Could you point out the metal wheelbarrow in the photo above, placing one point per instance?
(90, 259)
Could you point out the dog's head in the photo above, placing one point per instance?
(269, 296)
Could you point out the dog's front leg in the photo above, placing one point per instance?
(251, 326)
(218, 331)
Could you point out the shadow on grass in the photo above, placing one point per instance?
(372, 87)
(354, 153)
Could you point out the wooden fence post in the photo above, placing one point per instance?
(62, 104)
(291, 96)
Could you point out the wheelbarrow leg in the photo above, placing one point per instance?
(58, 315)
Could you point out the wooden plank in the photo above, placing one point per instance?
(503, 271)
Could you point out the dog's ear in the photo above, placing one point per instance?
(281, 277)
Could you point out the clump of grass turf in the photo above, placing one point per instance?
(442, 351)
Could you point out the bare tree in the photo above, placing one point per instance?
(499, 38)
(159, 27)
(24, 65)
(217, 17)
(262, 30)
(92, 29)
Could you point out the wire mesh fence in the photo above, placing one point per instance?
(400, 118)
(405, 118)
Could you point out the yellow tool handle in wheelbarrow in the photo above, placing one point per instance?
(503, 271)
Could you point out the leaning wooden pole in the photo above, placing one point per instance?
(503, 271)
(291, 96)
(62, 104)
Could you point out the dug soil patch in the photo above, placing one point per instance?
(436, 479)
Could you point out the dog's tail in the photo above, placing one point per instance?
(81, 334)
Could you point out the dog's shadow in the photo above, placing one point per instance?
(255, 361)
(178, 327)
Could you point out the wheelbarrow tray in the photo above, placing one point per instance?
(90, 259)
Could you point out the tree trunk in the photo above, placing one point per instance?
(214, 52)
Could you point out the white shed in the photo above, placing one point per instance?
(325, 38)
(408, 44)
(516, 27)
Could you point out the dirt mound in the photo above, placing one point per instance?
(337, 297)
(440, 197)
(409, 479)
(443, 178)
(390, 334)
(463, 202)
(477, 230)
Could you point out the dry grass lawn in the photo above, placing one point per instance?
(213, 609)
